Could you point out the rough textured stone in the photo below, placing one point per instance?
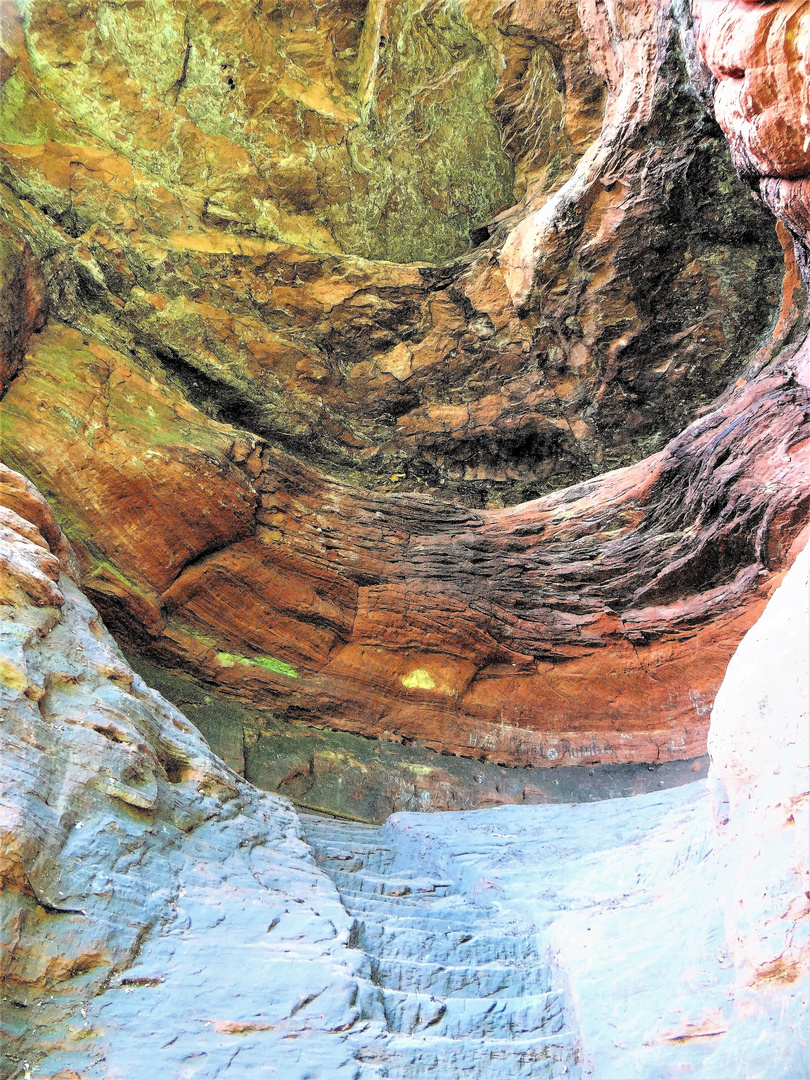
(675, 925)
(326, 612)
(757, 55)
(207, 342)
(505, 942)
(211, 549)
(426, 375)
(132, 861)
(22, 303)
(337, 772)
(213, 335)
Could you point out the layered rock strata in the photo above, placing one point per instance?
(161, 917)
(196, 362)
(656, 286)
(519, 635)
(666, 934)
(367, 780)
(758, 56)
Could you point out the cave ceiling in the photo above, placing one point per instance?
(326, 327)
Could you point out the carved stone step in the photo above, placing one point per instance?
(448, 980)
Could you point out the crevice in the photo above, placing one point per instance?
(181, 82)
(51, 909)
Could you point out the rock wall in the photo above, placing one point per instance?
(270, 454)
(299, 472)
(760, 750)
(661, 281)
(470, 631)
(132, 860)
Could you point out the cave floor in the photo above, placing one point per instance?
(460, 996)
(554, 941)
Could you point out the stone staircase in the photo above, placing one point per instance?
(460, 999)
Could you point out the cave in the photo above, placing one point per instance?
(404, 499)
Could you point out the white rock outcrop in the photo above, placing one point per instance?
(160, 916)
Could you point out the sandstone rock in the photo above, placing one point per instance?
(150, 232)
(760, 97)
(676, 923)
(132, 868)
(135, 456)
(359, 596)
(22, 298)
(338, 772)
(587, 626)
(134, 864)
(325, 614)
(760, 748)
(217, 342)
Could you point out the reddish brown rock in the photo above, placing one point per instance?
(142, 479)
(646, 301)
(478, 632)
(758, 55)
(202, 371)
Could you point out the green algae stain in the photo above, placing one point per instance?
(272, 664)
(190, 631)
(21, 123)
(419, 770)
(102, 569)
(269, 663)
(429, 164)
(418, 679)
(284, 150)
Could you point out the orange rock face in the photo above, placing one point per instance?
(161, 223)
(521, 636)
(759, 53)
(288, 470)
(479, 632)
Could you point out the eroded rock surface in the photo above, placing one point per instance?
(210, 351)
(465, 991)
(161, 917)
(367, 780)
(212, 347)
(165, 227)
(133, 861)
(666, 934)
(757, 54)
(521, 635)
(191, 337)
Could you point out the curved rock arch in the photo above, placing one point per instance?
(591, 624)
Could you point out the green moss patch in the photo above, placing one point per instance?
(269, 663)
